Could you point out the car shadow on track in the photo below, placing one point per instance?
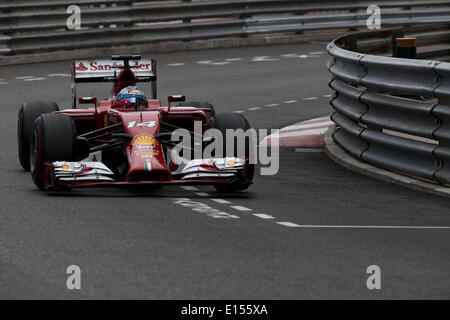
(167, 192)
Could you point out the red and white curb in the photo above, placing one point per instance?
(305, 134)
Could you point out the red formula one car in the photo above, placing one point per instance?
(117, 143)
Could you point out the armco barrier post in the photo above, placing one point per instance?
(396, 34)
(406, 48)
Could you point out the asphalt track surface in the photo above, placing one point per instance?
(289, 245)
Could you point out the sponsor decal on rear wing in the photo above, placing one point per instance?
(107, 70)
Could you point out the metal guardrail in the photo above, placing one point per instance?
(391, 112)
(40, 26)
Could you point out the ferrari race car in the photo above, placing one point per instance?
(124, 139)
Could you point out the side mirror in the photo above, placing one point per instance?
(88, 100)
(178, 98)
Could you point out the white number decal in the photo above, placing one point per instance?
(148, 124)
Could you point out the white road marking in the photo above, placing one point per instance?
(234, 59)
(288, 224)
(24, 77)
(222, 201)
(203, 208)
(327, 95)
(176, 64)
(255, 108)
(204, 62)
(290, 101)
(295, 55)
(263, 59)
(34, 79)
(264, 216)
(210, 62)
(316, 52)
(202, 194)
(58, 75)
(310, 98)
(189, 188)
(241, 208)
(272, 105)
(239, 111)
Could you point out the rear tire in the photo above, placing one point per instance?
(234, 121)
(54, 139)
(28, 113)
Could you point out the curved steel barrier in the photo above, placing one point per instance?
(34, 26)
(391, 112)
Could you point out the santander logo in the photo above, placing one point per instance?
(93, 66)
(81, 67)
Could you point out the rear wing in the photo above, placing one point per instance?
(90, 71)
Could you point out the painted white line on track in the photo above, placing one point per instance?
(234, 59)
(210, 62)
(34, 79)
(290, 101)
(202, 194)
(241, 208)
(310, 98)
(24, 77)
(58, 75)
(263, 59)
(176, 64)
(317, 52)
(290, 224)
(189, 188)
(255, 108)
(272, 105)
(239, 111)
(327, 96)
(203, 208)
(264, 216)
(295, 55)
(222, 201)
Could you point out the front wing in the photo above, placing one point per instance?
(63, 174)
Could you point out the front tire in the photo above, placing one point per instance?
(28, 113)
(234, 121)
(54, 139)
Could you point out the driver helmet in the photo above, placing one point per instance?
(131, 97)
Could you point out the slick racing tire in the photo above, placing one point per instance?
(54, 139)
(28, 113)
(234, 121)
